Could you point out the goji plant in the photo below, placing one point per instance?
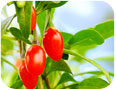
(44, 57)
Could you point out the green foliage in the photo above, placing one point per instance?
(24, 18)
(41, 21)
(86, 37)
(66, 36)
(14, 77)
(106, 29)
(65, 78)
(54, 4)
(18, 34)
(20, 4)
(6, 45)
(106, 58)
(44, 5)
(72, 86)
(95, 73)
(93, 83)
(59, 66)
(4, 11)
(6, 23)
(17, 85)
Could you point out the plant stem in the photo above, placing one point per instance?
(35, 39)
(9, 37)
(22, 49)
(49, 19)
(46, 80)
(9, 3)
(90, 61)
(40, 86)
(2, 59)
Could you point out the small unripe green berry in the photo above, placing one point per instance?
(21, 4)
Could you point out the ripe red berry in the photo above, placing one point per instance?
(35, 60)
(53, 44)
(33, 19)
(27, 78)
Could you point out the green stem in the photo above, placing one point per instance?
(9, 37)
(9, 3)
(93, 72)
(46, 80)
(35, 37)
(2, 59)
(90, 61)
(49, 19)
(40, 86)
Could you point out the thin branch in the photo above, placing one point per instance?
(40, 86)
(2, 59)
(90, 61)
(46, 81)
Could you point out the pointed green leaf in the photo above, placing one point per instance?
(6, 45)
(93, 83)
(66, 77)
(106, 29)
(24, 18)
(106, 58)
(6, 23)
(60, 66)
(66, 36)
(18, 34)
(41, 21)
(17, 85)
(54, 4)
(72, 86)
(95, 73)
(44, 5)
(86, 37)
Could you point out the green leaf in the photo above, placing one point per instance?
(72, 86)
(106, 29)
(54, 4)
(66, 77)
(24, 18)
(66, 36)
(36, 3)
(17, 33)
(41, 21)
(106, 58)
(93, 83)
(81, 50)
(59, 66)
(6, 45)
(6, 23)
(95, 73)
(17, 85)
(52, 13)
(44, 5)
(13, 78)
(4, 11)
(87, 37)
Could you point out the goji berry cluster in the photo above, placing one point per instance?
(35, 57)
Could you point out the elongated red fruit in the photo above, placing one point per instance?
(33, 19)
(29, 80)
(53, 44)
(35, 60)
